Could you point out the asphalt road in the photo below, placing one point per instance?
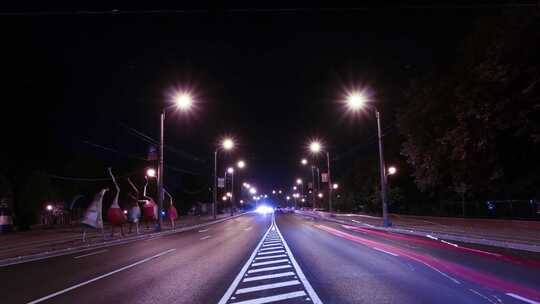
(255, 259)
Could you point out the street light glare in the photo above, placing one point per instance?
(241, 164)
(335, 186)
(356, 101)
(299, 181)
(228, 144)
(183, 101)
(151, 172)
(230, 170)
(315, 147)
(253, 190)
(304, 161)
(392, 170)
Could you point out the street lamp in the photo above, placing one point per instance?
(392, 170)
(226, 144)
(304, 161)
(335, 186)
(357, 101)
(299, 181)
(183, 102)
(316, 147)
(151, 172)
(252, 190)
(241, 164)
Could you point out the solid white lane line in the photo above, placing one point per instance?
(382, 250)
(311, 292)
(279, 297)
(242, 272)
(272, 248)
(267, 286)
(269, 276)
(204, 230)
(88, 254)
(52, 295)
(269, 268)
(271, 257)
(205, 237)
(271, 252)
(515, 296)
(270, 262)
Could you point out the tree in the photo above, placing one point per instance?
(476, 123)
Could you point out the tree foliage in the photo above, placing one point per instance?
(474, 126)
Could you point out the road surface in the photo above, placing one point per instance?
(256, 259)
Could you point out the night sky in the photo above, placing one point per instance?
(271, 79)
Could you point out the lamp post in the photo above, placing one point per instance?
(183, 102)
(230, 170)
(355, 102)
(226, 144)
(316, 147)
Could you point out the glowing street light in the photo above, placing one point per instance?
(299, 181)
(224, 198)
(241, 164)
(315, 147)
(392, 170)
(151, 172)
(252, 190)
(280, 191)
(320, 195)
(183, 101)
(230, 170)
(356, 101)
(49, 207)
(227, 144)
(273, 191)
(294, 187)
(304, 161)
(288, 197)
(335, 186)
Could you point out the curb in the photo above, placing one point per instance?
(60, 252)
(428, 234)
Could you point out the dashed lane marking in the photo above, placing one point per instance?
(52, 295)
(205, 237)
(89, 254)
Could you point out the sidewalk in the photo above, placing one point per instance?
(49, 240)
(514, 234)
